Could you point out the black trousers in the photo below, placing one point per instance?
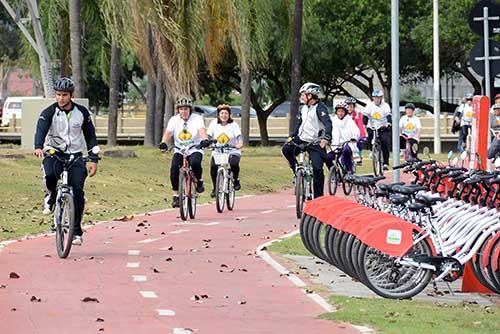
(402, 145)
(234, 163)
(52, 170)
(195, 163)
(385, 142)
(318, 158)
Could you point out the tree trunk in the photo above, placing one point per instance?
(149, 131)
(159, 107)
(169, 111)
(245, 84)
(295, 79)
(75, 25)
(4, 82)
(114, 87)
(264, 135)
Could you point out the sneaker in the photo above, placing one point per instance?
(359, 162)
(237, 185)
(212, 193)
(386, 167)
(199, 187)
(77, 240)
(48, 205)
(370, 155)
(175, 201)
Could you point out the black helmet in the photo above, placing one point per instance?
(64, 85)
(410, 106)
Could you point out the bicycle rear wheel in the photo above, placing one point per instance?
(64, 219)
(333, 180)
(299, 193)
(231, 194)
(346, 186)
(183, 196)
(378, 169)
(192, 199)
(220, 195)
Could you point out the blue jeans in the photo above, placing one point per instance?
(462, 137)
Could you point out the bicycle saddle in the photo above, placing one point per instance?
(429, 200)
(399, 199)
(408, 189)
(388, 186)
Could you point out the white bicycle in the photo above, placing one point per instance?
(225, 195)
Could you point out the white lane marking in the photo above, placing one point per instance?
(202, 224)
(132, 264)
(147, 241)
(148, 294)
(244, 196)
(139, 278)
(241, 218)
(363, 329)
(267, 211)
(165, 313)
(157, 211)
(179, 231)
(134, 252)
(291, 206)
(292, 277)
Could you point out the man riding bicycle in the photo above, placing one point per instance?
(313, 125)
(344, 130)
(377, 115)
(187, 129)
(410, 129)
(64, 128)
(357, 117)
(226, 131)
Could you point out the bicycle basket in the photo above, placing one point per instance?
(221, 158)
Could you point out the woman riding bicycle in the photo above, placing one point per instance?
(357, 117)
(410, 129)
(226, 131)
(344, 130)
(187, 129)
(377, 115)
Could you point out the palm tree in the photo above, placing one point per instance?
(75, 26)
(114, 87)
(295, 84)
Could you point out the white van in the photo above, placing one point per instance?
(12, 106)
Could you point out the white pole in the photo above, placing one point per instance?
(437, 81)
(395, 85)
(486, 52)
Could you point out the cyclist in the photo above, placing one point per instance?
(344, 129)
(226, 131)
(410, 128)
(377, 114)
(66, 127)
(463, 115)
(313, 125)
(188, 129)
(357, 117)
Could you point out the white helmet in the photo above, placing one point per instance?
(310, 88)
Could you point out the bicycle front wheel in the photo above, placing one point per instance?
(220, 195)
(192, 200)
(333, 180)
(299, 192)
(64, 219)
(183, 195)
(378, 169)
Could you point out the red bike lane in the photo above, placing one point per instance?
(155, 274)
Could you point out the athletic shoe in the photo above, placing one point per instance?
(199, 187)
(175, 201)
(77, 240)
(386, 167)
(237, 185)
(212, 193)
(48, 205)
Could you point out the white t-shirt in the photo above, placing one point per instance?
(409, 126)
(377, 115)
(186, 133)
(228, 134)
(467, 115)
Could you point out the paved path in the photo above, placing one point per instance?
(154, 274)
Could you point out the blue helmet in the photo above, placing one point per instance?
(377, 93)
(350, 100)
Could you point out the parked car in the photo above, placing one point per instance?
(283, 110)
(236, 111)
(12, 107)
(206, 111)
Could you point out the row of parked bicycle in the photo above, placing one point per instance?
(398, 237)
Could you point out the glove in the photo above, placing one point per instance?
(205, 143)
(163, 147)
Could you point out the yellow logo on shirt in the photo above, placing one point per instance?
(223, 139)
(410, 126)
(185, 135)
(469, 114)
(377, 116)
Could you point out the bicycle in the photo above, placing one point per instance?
(338, 172)
(409, 149)
(64, 209)
(377, 159)
(303, 178)
(187, 185)
(224, 187)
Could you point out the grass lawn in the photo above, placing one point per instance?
(122, 186)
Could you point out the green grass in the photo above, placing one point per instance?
(292, 246)
(409, 316)
(122, 186)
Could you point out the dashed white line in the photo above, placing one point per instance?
(267, 211)
(147, 241)
(148, 294)
(179, 231)
(165, 313)
(132, 264)
(202, 224)
(139, 278)
(134, 252)
(291, 206)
